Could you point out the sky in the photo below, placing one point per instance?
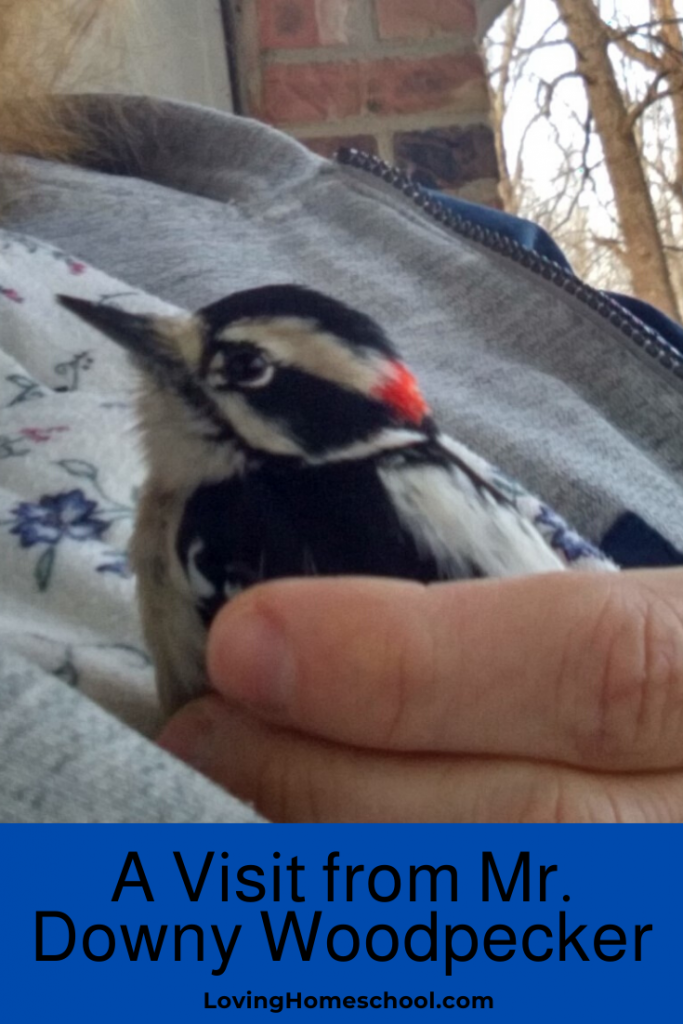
(569, 106)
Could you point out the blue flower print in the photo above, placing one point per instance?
(55, 517)
(562, 538)
(119, 566)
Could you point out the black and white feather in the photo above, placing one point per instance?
(285, 437)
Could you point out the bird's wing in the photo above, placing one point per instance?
(573, 549)
(466, 524)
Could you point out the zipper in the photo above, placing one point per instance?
(645, 338)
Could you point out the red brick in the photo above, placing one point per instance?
(311, 92)
(330, 144)
(447, 158)
(301, 93)
(404, 85)
(296, 24)
(287, 23)
(422, 19)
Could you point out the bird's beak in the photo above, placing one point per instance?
(150, 341)
(137, 334)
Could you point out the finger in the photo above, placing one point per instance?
(293, 778)
(584, 669)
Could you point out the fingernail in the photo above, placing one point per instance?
(250, 659)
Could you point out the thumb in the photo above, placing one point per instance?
(582, 668)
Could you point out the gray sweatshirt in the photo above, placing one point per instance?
(187, 205)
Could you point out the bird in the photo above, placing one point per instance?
(285, 436)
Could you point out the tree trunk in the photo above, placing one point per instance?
(672, 62)
(509, 190)
(644, 252)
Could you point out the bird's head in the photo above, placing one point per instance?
(282, 370)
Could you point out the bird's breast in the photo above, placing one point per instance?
(272, 523)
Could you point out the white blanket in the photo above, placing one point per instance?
(69, 470)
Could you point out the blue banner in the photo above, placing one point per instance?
(515, 923)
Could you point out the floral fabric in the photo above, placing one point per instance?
(69, 473)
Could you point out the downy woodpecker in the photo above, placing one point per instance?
(285, 437)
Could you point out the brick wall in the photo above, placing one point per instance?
(401, 78)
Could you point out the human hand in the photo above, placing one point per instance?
(539, 699)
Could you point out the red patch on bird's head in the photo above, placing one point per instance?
(400, 391)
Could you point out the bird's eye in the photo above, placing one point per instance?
(239, 368)
(246, 368)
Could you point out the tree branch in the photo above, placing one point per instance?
(652, 96)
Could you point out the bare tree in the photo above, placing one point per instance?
(510, 181)
(618, 145)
